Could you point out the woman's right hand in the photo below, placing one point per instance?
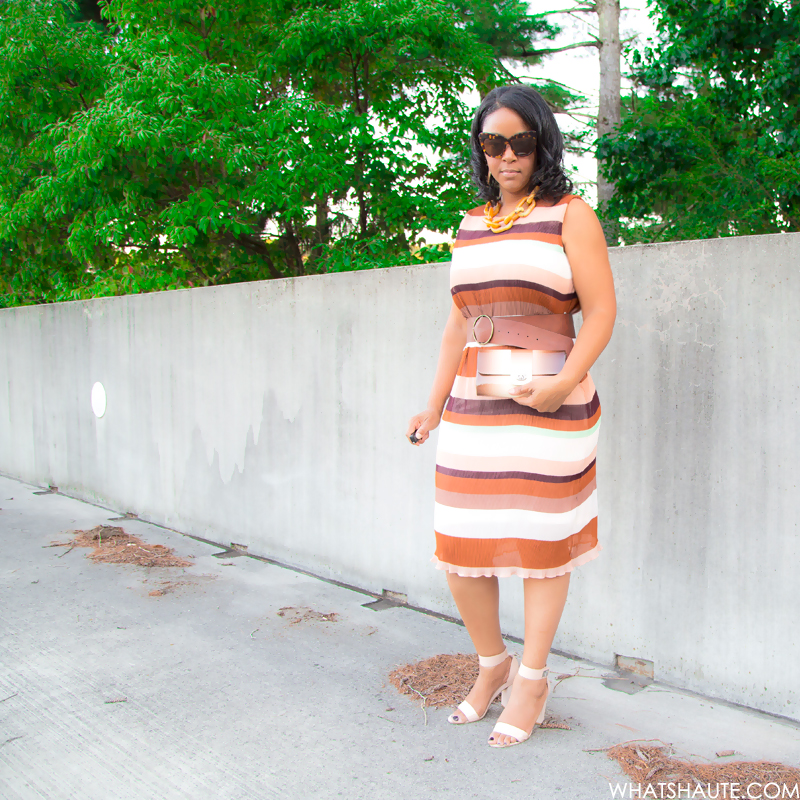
(453, 340)
(421, 424)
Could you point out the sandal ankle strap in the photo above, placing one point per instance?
(493, 661)
(533, 674)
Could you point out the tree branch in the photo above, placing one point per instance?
(512, 78)
(529, 54)
(575, 115)
(255, 246)
(354, 64)
(73, 85)
(587, 8)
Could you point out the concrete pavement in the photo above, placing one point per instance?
(109, 693)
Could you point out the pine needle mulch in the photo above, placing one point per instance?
(112, 545)
(443, 681)
(659, 774)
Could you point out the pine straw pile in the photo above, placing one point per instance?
(112, 545)
(660, 775)
(444, 681)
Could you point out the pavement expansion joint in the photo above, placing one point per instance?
(381, 604)
(231, 552)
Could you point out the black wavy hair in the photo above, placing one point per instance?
(549, 177)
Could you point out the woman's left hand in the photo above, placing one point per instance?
(545, 393)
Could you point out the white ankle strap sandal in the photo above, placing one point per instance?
(511, 730)
(466, 709)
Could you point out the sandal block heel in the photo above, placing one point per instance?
(511, 730)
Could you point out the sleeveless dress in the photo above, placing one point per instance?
(515, 487)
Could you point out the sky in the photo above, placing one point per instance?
(580, 70)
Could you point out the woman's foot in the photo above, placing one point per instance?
(522, 711)
(486, 688)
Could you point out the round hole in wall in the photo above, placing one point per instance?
(98, 399)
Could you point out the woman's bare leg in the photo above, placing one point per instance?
(478, 601)
(544, 602)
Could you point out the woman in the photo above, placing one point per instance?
(515, 475)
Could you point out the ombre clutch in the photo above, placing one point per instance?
(499, 371)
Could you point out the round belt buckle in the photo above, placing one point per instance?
(474, 335)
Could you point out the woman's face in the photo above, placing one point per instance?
(512, 172)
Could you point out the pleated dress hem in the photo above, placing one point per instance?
(507, 572)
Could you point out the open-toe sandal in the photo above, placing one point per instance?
(487, 661)
(511, 730)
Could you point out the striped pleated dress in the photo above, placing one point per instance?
(515, 487)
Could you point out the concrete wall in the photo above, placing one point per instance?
(272, 414)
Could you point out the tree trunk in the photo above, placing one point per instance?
(609, 112)
(322, 231)
(293, 251)
(322, 227)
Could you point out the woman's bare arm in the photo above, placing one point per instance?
(585, 246)
(453, 340)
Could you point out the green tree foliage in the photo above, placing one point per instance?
(710, 143)
(162, 143)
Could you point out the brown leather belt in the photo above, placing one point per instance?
(539, 332)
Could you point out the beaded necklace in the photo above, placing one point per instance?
(524, 207)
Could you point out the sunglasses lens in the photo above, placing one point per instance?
(524, 146)
(494, 147)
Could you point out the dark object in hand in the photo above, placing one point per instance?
(413, 438)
